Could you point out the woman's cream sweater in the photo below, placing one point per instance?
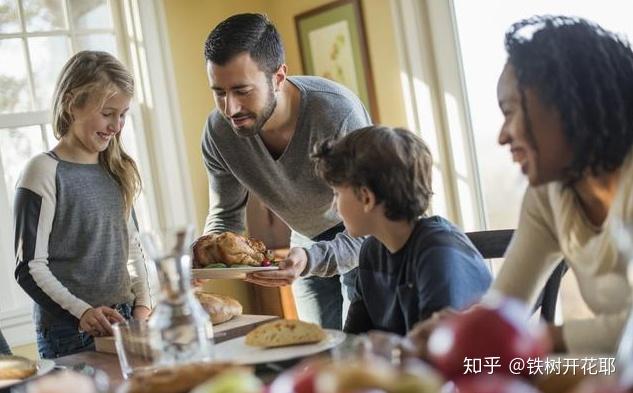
(552, 225)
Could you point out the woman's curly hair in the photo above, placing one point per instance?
(586, 74)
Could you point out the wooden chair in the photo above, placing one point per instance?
(493, 244)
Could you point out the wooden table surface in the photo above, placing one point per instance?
(106, 362)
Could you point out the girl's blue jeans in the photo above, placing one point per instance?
(63, 337)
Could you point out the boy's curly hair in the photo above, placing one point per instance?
(394, 163)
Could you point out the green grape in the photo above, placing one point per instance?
(216, 265)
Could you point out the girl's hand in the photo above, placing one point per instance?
(141, 313)
(97, 321)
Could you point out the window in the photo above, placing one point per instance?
(37, 37)
(436, 107)
(451, 56)
(481, 28)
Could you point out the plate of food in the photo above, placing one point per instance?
(14, 369)
(179, 378)
(278, 341)
(361, 374)
(230, 256)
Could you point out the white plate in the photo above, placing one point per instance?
(45, 366)
(229, 272)
(238, 352)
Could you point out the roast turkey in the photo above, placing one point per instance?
(231, 249)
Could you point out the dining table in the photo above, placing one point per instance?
(92, 363)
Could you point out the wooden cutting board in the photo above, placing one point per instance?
(238, 326)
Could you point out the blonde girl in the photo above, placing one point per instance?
(77, 248)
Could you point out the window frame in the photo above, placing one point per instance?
(426, 33)
(140, 33)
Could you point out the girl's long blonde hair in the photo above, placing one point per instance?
(97, 76)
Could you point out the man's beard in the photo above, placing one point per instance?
(260, 120)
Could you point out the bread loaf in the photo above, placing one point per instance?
(284, 332)
(16, 367)
(221, 308)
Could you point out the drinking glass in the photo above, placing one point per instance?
(131, 339)
(179, 328)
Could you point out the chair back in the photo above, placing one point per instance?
(493, 244)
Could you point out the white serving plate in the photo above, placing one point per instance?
(238, 352)
(229, 272)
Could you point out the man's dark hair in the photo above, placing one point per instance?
(251, 33)
(394, 163)
(586, 74)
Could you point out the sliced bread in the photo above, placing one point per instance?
(284, 332)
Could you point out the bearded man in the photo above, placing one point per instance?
(258, 140)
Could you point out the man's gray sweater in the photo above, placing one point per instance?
(288, 185)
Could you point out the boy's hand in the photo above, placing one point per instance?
(417, 340)
(386, 345)
(97, 321)
(289, 270)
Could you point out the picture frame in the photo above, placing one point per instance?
(332, 44)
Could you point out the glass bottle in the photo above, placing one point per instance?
(179, 328)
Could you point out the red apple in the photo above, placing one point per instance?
(496, 332)
(304, 377)
(304, 382)
(299, 379)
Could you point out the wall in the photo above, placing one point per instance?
(189, 23)
(383, 55)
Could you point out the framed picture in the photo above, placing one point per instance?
(333, 45)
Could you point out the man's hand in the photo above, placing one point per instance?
(417, 340)
(141, 313)
(289, 270)
(98, 321)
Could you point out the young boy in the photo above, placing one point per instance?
(411, 265)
